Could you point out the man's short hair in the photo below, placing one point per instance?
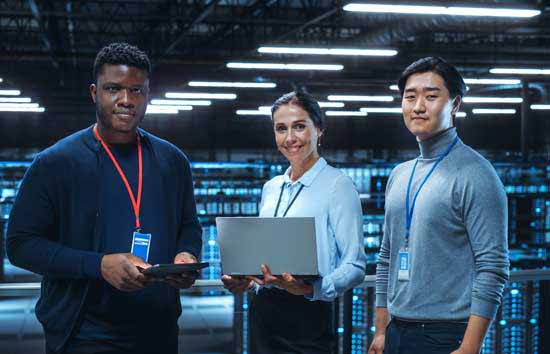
(452, 78)
(121, 54)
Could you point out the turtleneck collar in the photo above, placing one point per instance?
(436, 145)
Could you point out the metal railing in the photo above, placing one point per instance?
(524, 279)
(28, 289)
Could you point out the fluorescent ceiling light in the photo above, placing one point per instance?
(22, 109)
(282, 66)
(328, 51)
(346, 113)
(232, 84)
(10, 92)
(493, 111)
(540, 106)
(331, 104)
(474, 99)
(159, 110)
(16, 99)
(492, 81)
(207, 96)
(394, 87)
(520, 71)
(442, 10)
(321, 104)
(253, 112)
(396, 110)
(360, 98)
(181, 102)
(166, 107)
(21, 105)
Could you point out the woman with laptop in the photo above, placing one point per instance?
(290, 315)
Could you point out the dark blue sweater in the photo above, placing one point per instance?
(57, 224)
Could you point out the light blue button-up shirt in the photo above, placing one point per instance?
(329, 196)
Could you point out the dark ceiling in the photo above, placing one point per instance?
(47, 50)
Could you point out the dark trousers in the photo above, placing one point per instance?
(282, 323)
(404, 337)
(149, 344)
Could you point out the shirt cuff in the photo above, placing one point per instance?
(484, 308)
(318, 292)
(381, 300)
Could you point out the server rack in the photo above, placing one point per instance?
(234, 189)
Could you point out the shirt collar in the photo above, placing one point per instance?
(310, 174)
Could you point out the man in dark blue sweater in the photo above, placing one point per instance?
(86, 201)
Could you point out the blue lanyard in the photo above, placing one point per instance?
(409, 212)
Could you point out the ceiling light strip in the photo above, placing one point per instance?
(283, 66)
(181, 102)
(196, 95)
(356, 98)
(328, 51)
(493, 111)
(442, 10)
(232, 84)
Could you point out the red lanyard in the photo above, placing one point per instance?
(135, 204)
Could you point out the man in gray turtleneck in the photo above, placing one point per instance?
(444, 258)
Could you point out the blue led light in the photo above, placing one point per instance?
(502, 322)
(340, 330)
(355, 297)
(245, 306)
(514, 292)
(372, 329)
(533, 321)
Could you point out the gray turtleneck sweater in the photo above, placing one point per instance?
(458, 240)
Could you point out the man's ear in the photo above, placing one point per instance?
(456, 105)
(93, 92)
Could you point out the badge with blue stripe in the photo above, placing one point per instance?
(140, 245)
(403, 263)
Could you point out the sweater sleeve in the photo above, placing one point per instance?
(486, 218)
(383, 260)
(190, 230)
(346, 222)
(33, 231)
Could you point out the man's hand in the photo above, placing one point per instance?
(120, 270)
(474, 335)
(377, 345)
(237, 286)
(184, 280)
(286, 282)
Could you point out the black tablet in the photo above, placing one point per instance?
(163, 270)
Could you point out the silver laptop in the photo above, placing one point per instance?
(284, 244)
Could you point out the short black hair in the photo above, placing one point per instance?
(452, 78)
(121, 54)
(306, 102)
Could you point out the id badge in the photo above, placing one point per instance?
(404, 265)
(140, 245)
